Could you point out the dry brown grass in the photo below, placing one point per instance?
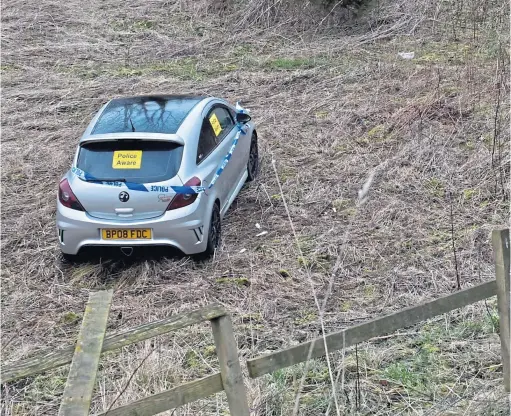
(330, 107)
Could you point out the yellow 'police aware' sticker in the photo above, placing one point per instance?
(127, 159)
(217, 128)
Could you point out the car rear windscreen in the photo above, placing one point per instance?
(145, 114)
(138, 161)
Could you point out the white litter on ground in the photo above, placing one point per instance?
(406, 55)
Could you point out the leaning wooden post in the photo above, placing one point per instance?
(501, 249)
(82, 374)
(230, 368)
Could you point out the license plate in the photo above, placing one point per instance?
(126, 234)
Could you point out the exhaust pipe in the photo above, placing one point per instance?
(127, 251)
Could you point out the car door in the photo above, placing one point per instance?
(216, 138)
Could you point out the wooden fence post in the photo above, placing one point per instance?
(501, 249)
(82, 374)
(230, 368)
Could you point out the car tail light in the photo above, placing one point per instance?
(183, 200)
(67, 197)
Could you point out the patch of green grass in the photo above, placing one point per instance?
(306, 317)
(432, 335)
(280, 377)
(314, 403)
(469, 193)
(192, 360)
(321, 261)
(70, 318)
(488, 140)
(321, 115)
(126, 71)
(346, 305)
(209, 351)
(318, 374)
(251, 317)
(145, 24)
(8, 68)
(405, 375)
(20, 409)
(286, 173)
(348, 213)
(468, 145)
(445, 52)
(476, 328)
(45, 387)
(242, 50)
(284, 273)
(304, 261)
(343, 208)
(451, 90)
(282, 384)
(378, 134)
(435, 187)
(369, 291)
(306, 244)
(340, 204)
(186, 69)
(238, 281)
(340, 149)
(438, 236)
(288, 64)
(83, 271)
(419, 371)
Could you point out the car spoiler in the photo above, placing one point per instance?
(132, 136)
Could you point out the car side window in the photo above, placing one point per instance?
(226, 122)
(207, 141)
(215, 127)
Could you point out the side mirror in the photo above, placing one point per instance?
(243, 118)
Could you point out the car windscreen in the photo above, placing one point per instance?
(144, 115)
(138, 161)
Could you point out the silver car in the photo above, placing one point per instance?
(156, 170)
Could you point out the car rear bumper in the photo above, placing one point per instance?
(77, 229)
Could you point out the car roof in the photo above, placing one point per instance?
(154, 114)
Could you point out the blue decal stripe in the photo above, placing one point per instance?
(136, 187)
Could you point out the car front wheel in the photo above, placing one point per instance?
(253, 159)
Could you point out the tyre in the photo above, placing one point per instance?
(253, 159)
(70, 258)
(214, 234)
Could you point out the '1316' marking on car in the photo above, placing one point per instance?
(159, 188)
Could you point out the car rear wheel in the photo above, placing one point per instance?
(214, 234)
(253, 159)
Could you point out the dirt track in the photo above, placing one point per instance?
(331, 110)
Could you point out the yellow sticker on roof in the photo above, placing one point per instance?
(217, 128)
(127, 159)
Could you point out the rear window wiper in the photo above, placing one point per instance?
(105, 180)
